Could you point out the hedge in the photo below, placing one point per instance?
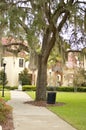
(8, 87)
(29, 88)
(67, 89)
(61, 88)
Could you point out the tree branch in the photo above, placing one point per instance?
(25, 27)
(50, 44)
(21, 47)
(66, 15)
(80, 2)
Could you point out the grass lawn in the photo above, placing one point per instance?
(6, 95)
(31, 94)
(74, 110)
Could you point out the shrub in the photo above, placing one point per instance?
(81, 89)
(11, 87)
(29, 88)
(24, 77)
(4, 110)
(61, 88)
(68, 89)
(3, 78)
(79, 77)
(8, 87)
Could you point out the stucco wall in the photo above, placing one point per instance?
(12, 70)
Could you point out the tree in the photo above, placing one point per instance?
(79, 77)
(43, 22)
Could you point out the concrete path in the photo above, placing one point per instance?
(29, 117)
(0, 127)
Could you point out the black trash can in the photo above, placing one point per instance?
(51, 97)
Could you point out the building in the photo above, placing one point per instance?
(58, 74)
(75, 61)
(64, 74)
(55, 75)
(14, 64)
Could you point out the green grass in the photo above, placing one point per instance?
(31, 94)
(74, 109)
(6, 95)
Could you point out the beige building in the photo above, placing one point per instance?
(57, 74)
(14, 65)
(75, 60)
(64, 75)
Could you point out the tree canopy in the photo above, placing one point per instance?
(33, 17)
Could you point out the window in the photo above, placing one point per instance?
(21, 62)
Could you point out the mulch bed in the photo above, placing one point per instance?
(44, 103)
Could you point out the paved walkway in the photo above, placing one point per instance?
(0, 127)
(29, 117)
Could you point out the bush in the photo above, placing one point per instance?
(24, 77)
(51, 88)
(61, 88)
(29, 88)
(11, 87)
(81, 89)
(68, 89)
(8, 87)
(4, 110)
(79, 77)
(3, 78)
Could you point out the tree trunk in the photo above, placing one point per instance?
(41, 79)
(48, 43)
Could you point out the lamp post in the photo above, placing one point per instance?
(4, 65)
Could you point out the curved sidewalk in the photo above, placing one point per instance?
(29, 117)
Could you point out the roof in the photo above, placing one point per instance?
(10, 46)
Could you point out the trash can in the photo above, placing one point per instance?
(51, 97)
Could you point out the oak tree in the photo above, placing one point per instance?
(43, 22)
